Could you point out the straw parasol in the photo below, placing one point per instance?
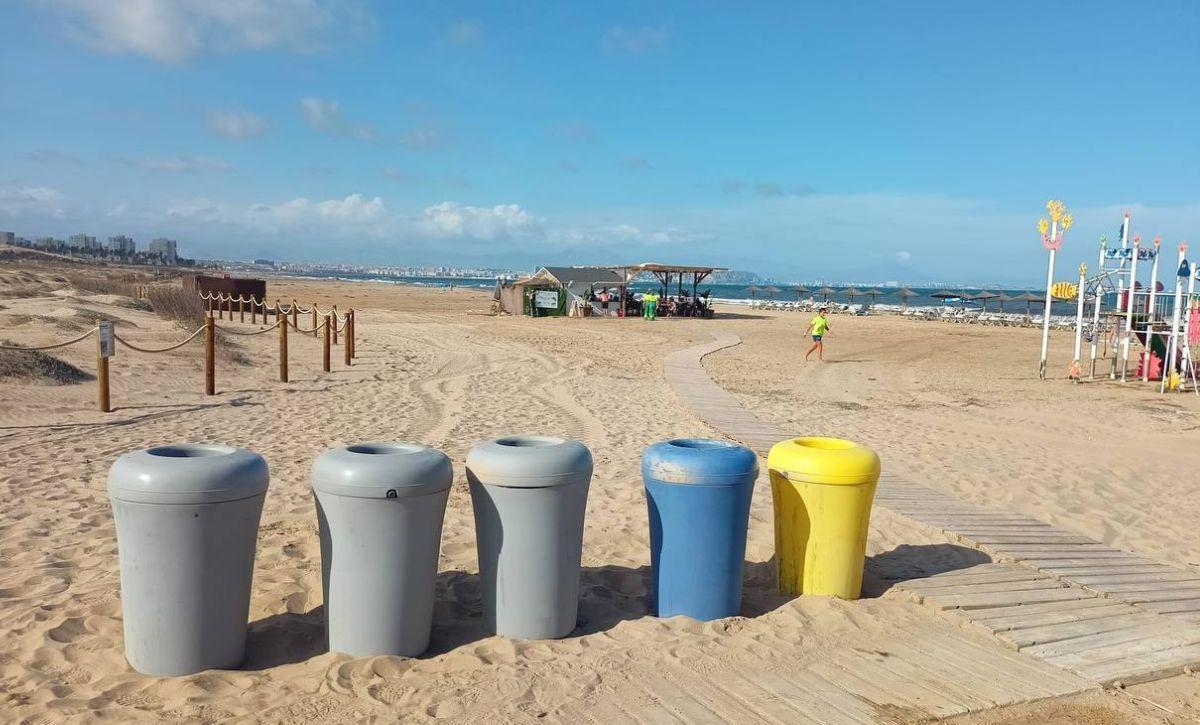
(800, 290)
(771, 290)
(752, 289)
(852, 292)
(983, 296)
(904, 293)
(1029, 298)
(826, 291)
(873, 293)
(1002, 297)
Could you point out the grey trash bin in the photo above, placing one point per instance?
(187, 522)
(380, 508)
(529, 494)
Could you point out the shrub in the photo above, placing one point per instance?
(38, 367)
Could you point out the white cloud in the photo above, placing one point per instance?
(172, 31)
(465, 32)
(325, 115)
(179, 164)
(236, 124)
(903, 257)
(635, 41)
(30, 201)
(428, 135)
(450, 219)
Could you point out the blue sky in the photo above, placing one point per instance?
(865, 141)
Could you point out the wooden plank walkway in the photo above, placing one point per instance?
(1106, 614)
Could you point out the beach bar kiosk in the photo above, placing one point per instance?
(187, 522)
(529, 494)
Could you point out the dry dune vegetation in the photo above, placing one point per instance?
(957, 409)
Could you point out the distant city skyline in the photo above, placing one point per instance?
(808, 141)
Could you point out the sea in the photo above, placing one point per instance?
(742, 294)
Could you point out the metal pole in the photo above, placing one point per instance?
(1112, 374)
(1173, 340)
(1129, 309)
(1046, 315)
(1150, 314)
(1075, 370)
(1096, 302)
(1190, 367)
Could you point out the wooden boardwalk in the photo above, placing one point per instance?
(1102, 613)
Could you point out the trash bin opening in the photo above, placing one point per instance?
(383, 449)
(826, 444)
(700, 443)
(530, 441)
(190, 450)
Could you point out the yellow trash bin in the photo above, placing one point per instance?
(822, 490)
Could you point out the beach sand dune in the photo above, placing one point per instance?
(953, 408)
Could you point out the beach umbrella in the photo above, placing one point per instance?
(1002, 298)
(873, 293)
(800, 290)
(983, 296)
(752, 289)
(1029, 298)
(904, 293)
(826, 291)
(771, 290)
(852, 292)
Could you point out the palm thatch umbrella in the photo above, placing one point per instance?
(983, 296)
(771, 290)
(752, 289)
(1002, 298)
(800, 290)
(852, 292)
(873, 293)
(1029, 298)
(904, 293)
(826, 291)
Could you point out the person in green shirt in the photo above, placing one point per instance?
(818, 327)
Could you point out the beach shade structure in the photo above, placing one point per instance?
(1029, 298)
(771, 291)
(822, 490)
(1002, 298)
(904, 294)
(852, 292)
(873, 293)
(825, 292)
(529, 494)
(379, 510)
(983, 296)
(187, 522)
(800, 291)
(753, 290)
(698, 496)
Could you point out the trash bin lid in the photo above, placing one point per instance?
(824, 460)
(699, 462)
(382, 470)
(529, 461)
(188, 473)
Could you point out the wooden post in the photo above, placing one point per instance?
(253, 311)
(241, 308)
(102, 389)
(314, 315)
(283, 361)
(295, 316)
(278, 311)
(350, 335)
(207, 304)
(334, 330)
(346, 344)
(210, 356)
(325, 347)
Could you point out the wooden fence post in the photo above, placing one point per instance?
(210, 356)
(207, 304)
(334, 331)
(278, 311)
(241, 308)
(295, 316)
(253, 311)
(314, 314)
(325, 347)
(102, 388)
(346, 344)
(283, 360)
(350, 335)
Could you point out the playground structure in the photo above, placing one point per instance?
(1114, 309)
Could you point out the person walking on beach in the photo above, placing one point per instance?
(605, 298)
(818, 327)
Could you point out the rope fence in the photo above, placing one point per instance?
(326, 324)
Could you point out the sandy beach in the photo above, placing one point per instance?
(958, 408)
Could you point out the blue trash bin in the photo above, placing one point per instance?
(698, 493)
